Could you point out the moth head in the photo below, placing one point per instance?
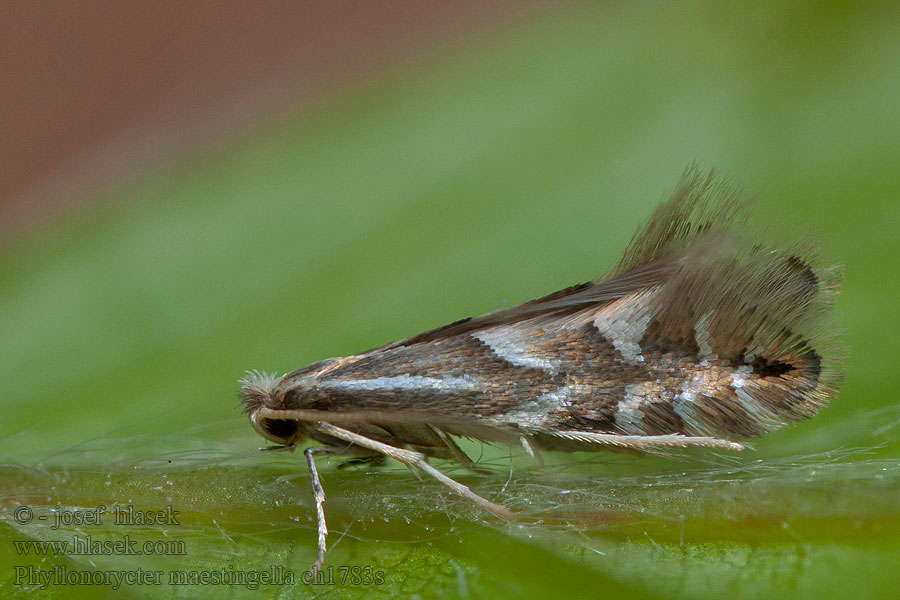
(284, 432)
(260, 390)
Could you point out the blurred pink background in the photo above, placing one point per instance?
(94, 90)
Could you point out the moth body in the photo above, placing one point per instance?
(701, 335)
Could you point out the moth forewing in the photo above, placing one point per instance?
(701, 335)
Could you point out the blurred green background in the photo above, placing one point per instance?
(497, 168)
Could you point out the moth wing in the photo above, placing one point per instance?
(694, 217)
(705, 291)
(558, 304)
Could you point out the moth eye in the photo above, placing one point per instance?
(280, 428)
(280, 431)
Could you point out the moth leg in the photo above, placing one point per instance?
(531, 450)
(413, 460)
(373, 459)
(457, 452)
(319, 497)
(642, 442)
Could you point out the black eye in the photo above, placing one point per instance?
(280, 428)
(280, 431)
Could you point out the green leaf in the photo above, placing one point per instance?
(498, 168)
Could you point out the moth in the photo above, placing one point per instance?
(701, 335)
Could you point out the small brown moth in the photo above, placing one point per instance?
(699, 336)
